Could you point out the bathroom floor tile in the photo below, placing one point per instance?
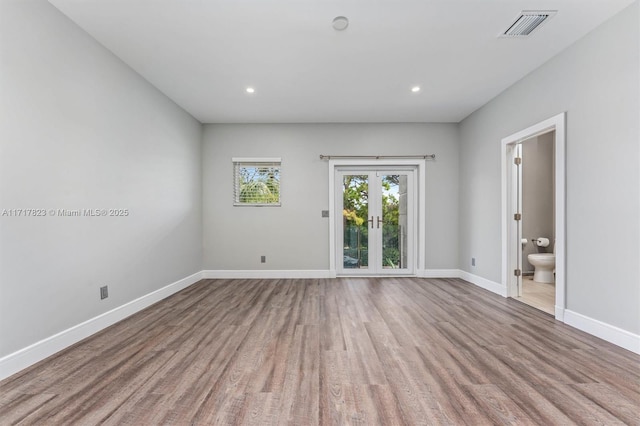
(539, 295)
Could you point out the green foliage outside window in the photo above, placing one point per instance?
(355, 211)
(257, 184)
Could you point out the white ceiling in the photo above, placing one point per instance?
(204, 53)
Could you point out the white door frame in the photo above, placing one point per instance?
(510, 245)
(420, 165)
(517, 207)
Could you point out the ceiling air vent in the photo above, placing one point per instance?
(528, 21)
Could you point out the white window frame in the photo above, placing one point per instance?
(251, 161)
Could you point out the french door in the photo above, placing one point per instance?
(375, 217)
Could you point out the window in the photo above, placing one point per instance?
(256, 181)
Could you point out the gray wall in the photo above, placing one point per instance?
(538, 214)
(596, 82)
(81, 130)
(295, 236)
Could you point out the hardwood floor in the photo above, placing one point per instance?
(358, 351)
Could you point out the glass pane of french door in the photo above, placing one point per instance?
(355, 220)
(394, 221)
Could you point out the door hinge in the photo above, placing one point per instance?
(517, 161)
(517, 272)
(517, 216)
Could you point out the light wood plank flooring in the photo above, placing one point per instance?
(357, 351)
(539, 295)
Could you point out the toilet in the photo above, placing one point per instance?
(544, 263)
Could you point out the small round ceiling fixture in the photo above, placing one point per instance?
(250, 90)
(340, 23)
(415, 89)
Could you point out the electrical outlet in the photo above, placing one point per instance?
(263, 259)
(104, 292)
(473, 261)
(325, 213)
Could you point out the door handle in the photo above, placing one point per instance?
(371, 222)
(379, 221)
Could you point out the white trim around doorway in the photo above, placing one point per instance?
(509, 243)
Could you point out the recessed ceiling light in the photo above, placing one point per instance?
(250, 90)
(340, 23)
(415, 89)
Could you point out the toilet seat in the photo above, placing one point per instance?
(543, 257)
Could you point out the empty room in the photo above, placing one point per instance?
(270, 212)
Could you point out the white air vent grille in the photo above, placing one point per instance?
(528, 21)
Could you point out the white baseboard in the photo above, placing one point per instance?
(608, 332)
(267, 274)
(23, 358)
(439, 273)
(559, 311)
(492, 286)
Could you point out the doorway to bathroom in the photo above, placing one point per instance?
(533, 196)
(536, 190)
